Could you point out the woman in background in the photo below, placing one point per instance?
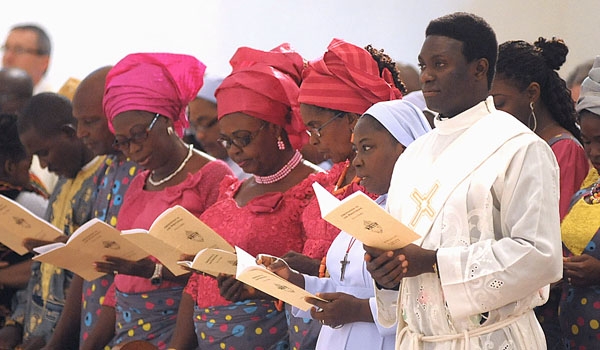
(528, 86)
(580, 229)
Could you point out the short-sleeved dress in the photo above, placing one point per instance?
(579, 311)
(270, 223)
(145, 311)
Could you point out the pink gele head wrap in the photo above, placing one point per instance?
(347, 79)
(161, 83)
(265, 85)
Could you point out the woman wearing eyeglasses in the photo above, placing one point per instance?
(336, 90)
(349, 317)
(145, 100)
(262, 130)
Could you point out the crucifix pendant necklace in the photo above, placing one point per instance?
(345, 262)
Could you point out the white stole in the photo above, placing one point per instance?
(426, 196)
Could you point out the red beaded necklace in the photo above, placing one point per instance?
(337, 190)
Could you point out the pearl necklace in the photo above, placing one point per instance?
(170, 176)
(283, 172)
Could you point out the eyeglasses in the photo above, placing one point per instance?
(317, 131)
(137, 137)
(240, 139)
(18, 50)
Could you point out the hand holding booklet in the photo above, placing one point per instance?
(364, 219)
(245, 269)
(18, 223)
(261, 278)
(176, 232)
(88, 244)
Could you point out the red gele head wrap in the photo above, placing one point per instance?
(161, 83)
(265, 85)
(347, 79)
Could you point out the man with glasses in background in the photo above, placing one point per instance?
(28, 47)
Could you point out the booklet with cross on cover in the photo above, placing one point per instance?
(18, 223)
(173, 233)
(364, 219)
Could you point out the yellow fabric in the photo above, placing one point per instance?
(62, 210)
(581, 223)
(591, 177)
(69, 87)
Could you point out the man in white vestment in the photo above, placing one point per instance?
(482, 192)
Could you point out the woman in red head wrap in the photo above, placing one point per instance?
(262, 130)
(336, 90)
(145, 100)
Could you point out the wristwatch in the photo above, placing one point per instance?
(156, 278)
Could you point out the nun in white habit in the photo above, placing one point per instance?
(350, 318)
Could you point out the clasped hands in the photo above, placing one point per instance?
(388, 268)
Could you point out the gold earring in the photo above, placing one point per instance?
(532, 116)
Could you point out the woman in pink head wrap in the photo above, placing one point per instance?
(262, 132)
(145, 100)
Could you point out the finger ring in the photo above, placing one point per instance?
(322, 322)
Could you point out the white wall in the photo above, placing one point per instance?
(87, 35)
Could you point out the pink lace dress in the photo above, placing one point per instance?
(271, 224)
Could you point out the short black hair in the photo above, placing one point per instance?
(478, 38)
(46, 112)
(16, 81)
(11, 147)
(44, 46)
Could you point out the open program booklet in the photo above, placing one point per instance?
(257, 276)
(364, 219)
(88, 244)
(213, 262)
(18, 223)
(176, 232)
(245, 269)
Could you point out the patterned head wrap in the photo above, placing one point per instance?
(402, 119)
(589, 97)
(346, 78)
(161, 83)
(264, 85)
